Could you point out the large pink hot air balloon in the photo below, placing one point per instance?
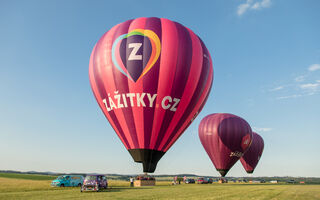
(251, 158)
(225, 137)
(150, 77)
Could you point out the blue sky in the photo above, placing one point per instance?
(266, 56)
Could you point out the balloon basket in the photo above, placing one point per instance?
(144, 180)
(140, 183)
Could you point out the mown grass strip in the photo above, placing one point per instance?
(27, 176)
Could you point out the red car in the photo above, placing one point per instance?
(202, 181)
(94, 183)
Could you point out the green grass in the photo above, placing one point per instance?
(27, 176)
(24, 188)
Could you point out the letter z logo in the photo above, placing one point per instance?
(133, 55)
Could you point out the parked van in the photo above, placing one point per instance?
(94, 182)
(68, 181)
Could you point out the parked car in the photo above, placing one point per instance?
(291, 181)
(94, 182)
(68, 181)
(190, 180)
(202, 181)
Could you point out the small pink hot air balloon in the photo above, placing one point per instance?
(251, 158)
(151, 77)
(225, 137)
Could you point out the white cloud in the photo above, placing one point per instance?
(312, 86)
(314, 67)
(262, 4)
(251, 5)
(290, 96)
(300, 78)
(277, 88)
(261, 129)
(242, 8)
(303, 90)
(303, 85)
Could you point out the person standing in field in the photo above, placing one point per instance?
(131, 182)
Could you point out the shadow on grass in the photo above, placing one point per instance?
(120, 189)
(251, 184)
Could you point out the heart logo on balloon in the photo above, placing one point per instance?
(246, 141)
(135, 53)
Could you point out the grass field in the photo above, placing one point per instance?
(34, 187)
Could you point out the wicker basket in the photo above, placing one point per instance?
(139, 183)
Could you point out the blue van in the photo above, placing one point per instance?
(68, 181)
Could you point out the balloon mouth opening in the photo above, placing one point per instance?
(148, 157)
(250, 171)
(223, 172)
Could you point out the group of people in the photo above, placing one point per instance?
(177, 180)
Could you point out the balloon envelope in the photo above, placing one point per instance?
(251, 158)
(225, 137)
(150, 77)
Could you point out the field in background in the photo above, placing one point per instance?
(27, 176)
(21, 186)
